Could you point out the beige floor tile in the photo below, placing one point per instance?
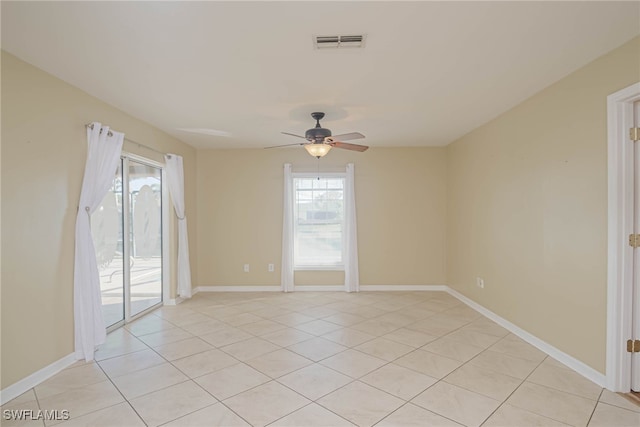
(119, 342)
(287, 336)
(230, 381)
(266, 403)
(184, 348)
(474, 338)
(172, 402)
(278, 363)
(317, 349)
(436, 326)
(384, 349)
(207, 327)
(213, 415)
(428, 363)
(249, 349)
(312, 415)
(458, 404)
(315, 381)
(353, 363)
(453, 349)
(218, 311)
(189, 319)
(226, 336)
(488, 383)
(293, 319)
(504, 364)
(344, 319)
(166, 336)
(396, 318)
(262, 327)
(84, 400)
(117, 366)
(204, 363)
(320, 312)
(317, 327)
(565, 380)
(147, 325)
(514, 346)
(464, 312)
(612, 416)
(618, 400)
(348, 337)
(560, 406)
(375, 327)
(114, 416)
(360, 403)
(417, 313)
(271, 312)
(507, 416)
(69, 379)
(486, 326)
(399, 381)
(414, 416)
(239, 319)
(409, 337)
(365, 311)
(148, 380)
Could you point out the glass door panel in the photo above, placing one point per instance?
(145, 236)
(106, 228)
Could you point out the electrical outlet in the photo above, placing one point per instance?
(271, 268)
(480, 282)
(246, 268)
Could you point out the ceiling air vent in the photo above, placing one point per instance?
(338, 42)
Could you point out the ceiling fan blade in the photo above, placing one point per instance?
(286, 145)
(348, 136)
(293, 134)
(347, 146)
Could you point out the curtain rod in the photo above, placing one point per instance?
(90, 125)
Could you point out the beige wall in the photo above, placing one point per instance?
(528, 209)
(43, 156)
(400, 204)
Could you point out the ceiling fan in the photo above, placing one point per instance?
(320, 140)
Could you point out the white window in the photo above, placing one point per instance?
(318, 221)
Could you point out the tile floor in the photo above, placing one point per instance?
(322, 359)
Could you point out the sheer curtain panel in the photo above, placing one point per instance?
(103, 154)
(287, 232)
(175, 179)
(351, 273)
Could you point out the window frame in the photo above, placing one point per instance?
(323, 175)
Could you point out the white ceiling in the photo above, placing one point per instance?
(430, 71)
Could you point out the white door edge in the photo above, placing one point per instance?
(620, 225)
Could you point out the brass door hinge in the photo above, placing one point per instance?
(634, 240)
(634, 134)
(633, 346)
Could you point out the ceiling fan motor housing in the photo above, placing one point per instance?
(318, 133)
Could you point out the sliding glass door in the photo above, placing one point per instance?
(131, 262)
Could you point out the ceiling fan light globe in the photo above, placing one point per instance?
(317, 150)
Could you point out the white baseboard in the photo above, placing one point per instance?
(318, 288)
(403, 288)
(22, 386)
(240, 288)
(570, 361)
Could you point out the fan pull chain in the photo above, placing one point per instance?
(318, 168)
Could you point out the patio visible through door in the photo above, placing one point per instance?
(130, 263)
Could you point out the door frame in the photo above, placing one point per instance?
(620, 224)
(165, 218)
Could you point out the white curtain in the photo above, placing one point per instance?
(287, 232)
(175, 179)
(103, 154)
(351, 274)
